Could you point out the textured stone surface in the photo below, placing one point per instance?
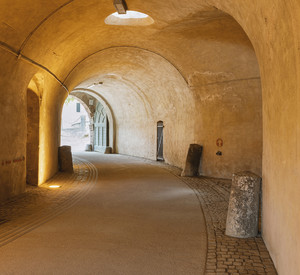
(137, 219)
(65, 159)
(192, 161)
(225, 255)
(242, 217)
(26, 212)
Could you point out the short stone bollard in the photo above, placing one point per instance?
(242, 216)
(88, 147)
(192, 161)
(65, 159)
(108, 150)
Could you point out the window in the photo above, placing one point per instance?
(78, 107)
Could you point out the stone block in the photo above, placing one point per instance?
(108, 150)
(243, 209)
(88, 147)
(65, 159)
(192, 161)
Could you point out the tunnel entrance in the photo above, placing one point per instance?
(75, 130)
(32, 144)
(160, 141)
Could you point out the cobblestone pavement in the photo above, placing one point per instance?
(40, 204)
(225, 255)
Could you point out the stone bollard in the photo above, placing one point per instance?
(108, 150)
(192, 161)
(65, 159)
(242, 216)
(88, 147)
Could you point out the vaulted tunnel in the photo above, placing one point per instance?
(209, 70)
(143, 87)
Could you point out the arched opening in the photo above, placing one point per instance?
(160, 141)
(94, 99)
(136, 104)
(32, 144)
(75, 130)
(101, 129)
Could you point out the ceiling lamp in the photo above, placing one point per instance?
(120, 6)
(95, 84)
(130, 18)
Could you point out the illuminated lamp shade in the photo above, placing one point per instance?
(131, 18)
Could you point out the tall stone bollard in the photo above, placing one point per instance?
(65, 159)
(192, 161)
(242, 216)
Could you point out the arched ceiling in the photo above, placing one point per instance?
(154, 72)
(21, 18)
(60, 34)
(164, 71)
(137, 83)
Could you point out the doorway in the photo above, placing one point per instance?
(100, 129)
(160, 141)
(75, 130)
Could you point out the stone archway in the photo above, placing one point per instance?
(89, 103)
(111, 129)
(101, 129)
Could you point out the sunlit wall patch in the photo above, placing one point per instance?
(131, 18)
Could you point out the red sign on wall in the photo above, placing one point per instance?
(219, 142)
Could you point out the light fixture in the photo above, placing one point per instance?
(54, 186)
(130, 18)
(120, 6)
(95, 84)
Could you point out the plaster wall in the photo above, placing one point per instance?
(272, 28)
(13, 133)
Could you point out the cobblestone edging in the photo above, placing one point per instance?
(225, 255)
(41, 204)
